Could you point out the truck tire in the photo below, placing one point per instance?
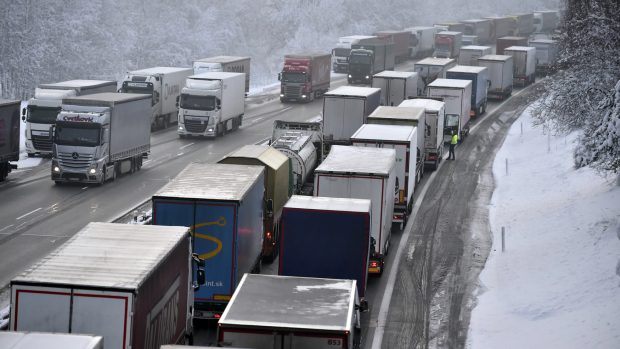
(3, 171)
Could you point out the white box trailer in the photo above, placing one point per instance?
(482, 28)
(226, 64)
(457, 96)
(502, 26)
(403, 139)
(363, 173)
(524, 64)
(524, 23)
(546, 55)
(396, 86)
(545, 21)
(289, 312)
(345, 109)
(470, 54)
(433, 132)
(469, 40)
(430, 69)
(422, 41)
(500, 73)
(130, 284)
(35, 340)
(448, 44)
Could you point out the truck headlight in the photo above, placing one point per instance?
(92, 171)
(281, 94)
(367, 77)
(180, 128)
(210, 130)
(303, 96)
(56, 169)
(350, 76)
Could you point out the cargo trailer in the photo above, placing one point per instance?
(304, 76)
(433, 134)
(500, 73)
(479, 77)
(469, 54)
(482, 28)
(225, 64)
(457, 96)
(507, 41)
(396, 86)
(430, 69)
(524, 64)
(546, 55)
(345, 109)
(9, 136)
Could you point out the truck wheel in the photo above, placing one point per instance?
(257, 267)
(3, 171)
(166, 121)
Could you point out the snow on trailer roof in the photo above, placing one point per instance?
(520, 48)
(501, 58)
(291, 302)
(395, 74)
(396, 133)
(109, 255)
(212, 182)
(105, 98)
(267, 155)
(349, 159)
(213, 75)
(306, 55)
(397, 113)
(475, 48)
(476, 20)
(4, 102)
(448, 32)
(352, 91)
(435, 61)
(328, 204)
(159, 70)
(77, 84)
(221, 59)
(30, 340)
(543, 41)
(430, 105)
(467, 69)
(450, 83)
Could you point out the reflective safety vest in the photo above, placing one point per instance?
(455, 139)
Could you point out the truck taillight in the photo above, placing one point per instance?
(268, 235)
(374, 264)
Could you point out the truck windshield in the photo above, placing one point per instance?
(77, 133)
(293, 77)
(42, 115)
(356, 59)
(342, 52)
(198, 102)
(137, 87)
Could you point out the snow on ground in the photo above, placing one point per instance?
(557, 285)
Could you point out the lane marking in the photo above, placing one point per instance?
(84, 188)
(187, 145)
(29, 213)
(179, 154)
(7, 227)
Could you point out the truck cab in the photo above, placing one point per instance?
(146, 84)
(361, 63)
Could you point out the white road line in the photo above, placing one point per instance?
(179, 154)
(84, 188)
(7, 227)
(146, 161)
(29, 213)
(47, 236)
(187, 145)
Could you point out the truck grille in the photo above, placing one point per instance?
(293, 91)
(43, 143)
(195, 126)
(70, 162)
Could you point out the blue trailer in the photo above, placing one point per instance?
(479, 77)
(326, 238)
(223, 206)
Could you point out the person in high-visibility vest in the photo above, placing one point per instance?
(453, 142)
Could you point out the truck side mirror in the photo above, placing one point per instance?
(52, 130)
(362, 307)
(199, 261)
(269, 206)
(279, 76)
(201, 277)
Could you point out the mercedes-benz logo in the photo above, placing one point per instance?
(75, 156)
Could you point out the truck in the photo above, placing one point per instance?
(507, 41)
(545, 21)
(326, 237)
(292, 312)
(345, 109)
(404, 140)
(456, 95)
(164, 84)
(369, 58)
(9, 136)
(303, 155)
(450, 26)
(448, 44)
(422, 41)
(226, 64)
(130, 284)
(479, 27)
(469, 40)
(100, 136)
(305, 76)
(363, 173)
(546, 55)
(340, 54)
(524, 67)
(430, 69)
(433, 135)
(31, 340)
(479, 77)
(400, 39)
(470, 54)
(524, 24)
(396, 86)
(211, 104)
(500, 73)
(42, 110)
(502, 26)
(223, 205)
(278, 188)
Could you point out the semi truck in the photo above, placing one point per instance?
(456, 95)
(524, 23)
(326, 237)
(223, 206)
(500, 73)
(433, 135)
(303, 155)
(414, 117)
(211, 104)
(340, 54)
(396, 86)
(479, 77)
(524, 64)
(369, 58)
(278, 188)
(363, 173)
(305, 76)
(422, 41)
(479, 27)
(164, 84)
(292, 312)
(345, 109)
(546, 55)
(400, 39)
(430, 69)
(42, 110)
(469, 54)
(502, 26)
(507, 41)
(545, 21)
(403, 139)
(448, 44)
(450, 26)
(226, 64)
(469, 40)
(130, 284)
(32, 340)
(9, 136)
(98, 137)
